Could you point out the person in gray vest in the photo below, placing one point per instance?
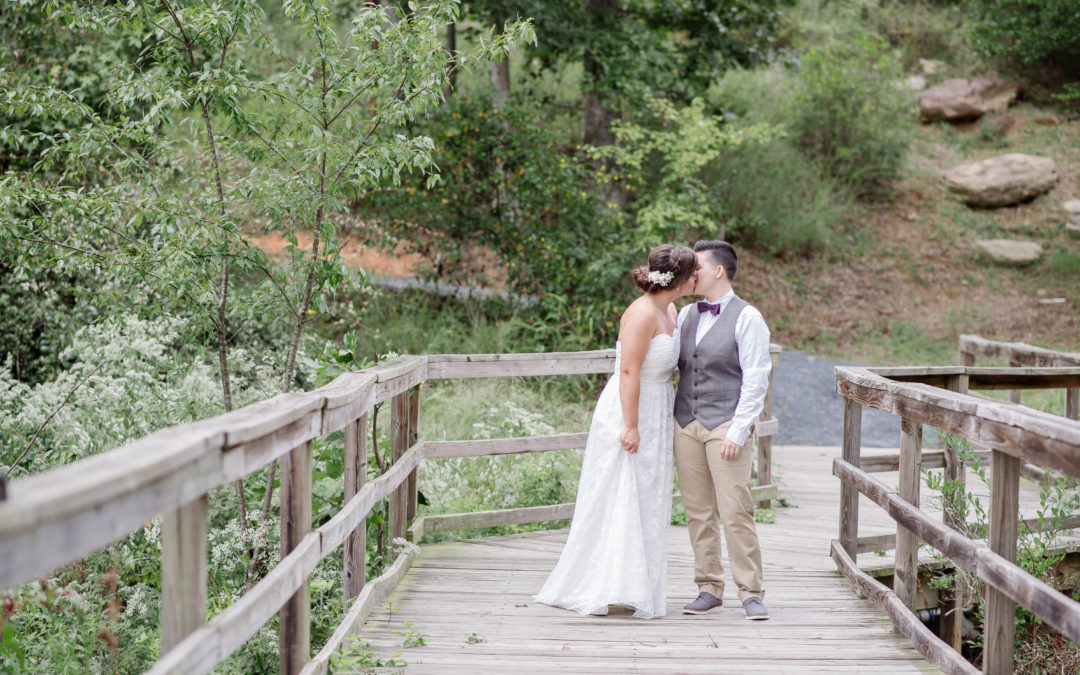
(724, 369)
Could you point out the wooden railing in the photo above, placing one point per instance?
(54, 518)
(1011, 436)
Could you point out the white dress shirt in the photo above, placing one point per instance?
(752, 337)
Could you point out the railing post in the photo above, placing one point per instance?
(906, 566)
(1072, 403)
(1000, 628)
(849, 494)
(183, 571)
(1014, 394)
(399, 435)
(294, 642)
(954, 516)
(355, 549)
(411, 485)
(764, 443)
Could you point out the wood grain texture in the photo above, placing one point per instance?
(183, 572)
(294, 643)
(906, 575)
(485, 586)
(849, 495)
(1000, 626)
(1019, 352)
(1034, 436)
(399, 441)
(374, 592)
(929, 645)
(1056, 609)
(505, 446)
(354, 477)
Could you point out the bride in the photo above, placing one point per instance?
(616, 552)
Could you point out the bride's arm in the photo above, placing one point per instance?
(636, 332)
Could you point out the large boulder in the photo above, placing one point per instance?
(1001, 181)
(1012, 252)
(962, 100)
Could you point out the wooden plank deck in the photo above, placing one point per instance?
(484, 587)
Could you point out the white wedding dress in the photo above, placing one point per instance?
(616, 552)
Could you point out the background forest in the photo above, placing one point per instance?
(188, 190)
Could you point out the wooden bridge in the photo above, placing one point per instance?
(472, 600)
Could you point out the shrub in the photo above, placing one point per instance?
(1029, 30)
(849, 111)
(774, 197)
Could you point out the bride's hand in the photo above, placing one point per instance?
(630, 440)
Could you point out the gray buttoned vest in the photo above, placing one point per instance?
(710, 376)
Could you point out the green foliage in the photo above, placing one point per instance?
(849, 112)
(775, 198)
(40, 47)
(647, 47)
(412, 637)
(663, 164)
(1059, 500)
(1028, 31)
(917, 29)
(507, 187)
(356, 657)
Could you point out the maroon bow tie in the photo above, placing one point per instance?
(703, 307)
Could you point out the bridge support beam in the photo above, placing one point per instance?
(411, 485)
(906, 574)
(1000, 627)
(399, 443)
(355, 475)
(294, 643)
(183, 571)
(849, 494)
(954, 516)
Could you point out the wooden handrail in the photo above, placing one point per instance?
(1016, 352)
(1027, 434)
(53, 518)
(1014, 434)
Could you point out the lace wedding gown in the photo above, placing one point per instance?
(616, 552)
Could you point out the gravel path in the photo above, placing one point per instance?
(812, 413)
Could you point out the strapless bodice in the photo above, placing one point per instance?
(660, 360)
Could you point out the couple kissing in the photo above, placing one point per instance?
(616, 551)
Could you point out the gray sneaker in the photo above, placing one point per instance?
(755, 609)
(705, 603)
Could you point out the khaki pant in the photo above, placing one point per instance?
(717, 491)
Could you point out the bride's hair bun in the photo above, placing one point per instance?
(641, 278)
(669, 267)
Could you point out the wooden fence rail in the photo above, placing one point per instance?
(54, 518)
(1012, 434)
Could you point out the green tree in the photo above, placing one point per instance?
(1029, 31)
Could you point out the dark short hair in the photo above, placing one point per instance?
(722, 253)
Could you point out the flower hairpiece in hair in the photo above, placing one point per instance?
(661, 278)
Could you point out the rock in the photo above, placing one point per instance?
(931, 66)
(1072, 211)
(1001, 181)
(916, 83)
(1010, 251)
(960, 100)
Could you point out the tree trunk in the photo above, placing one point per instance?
(598, 116)
(500, 70)
(451, 66)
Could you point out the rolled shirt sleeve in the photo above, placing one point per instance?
(752, 336)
